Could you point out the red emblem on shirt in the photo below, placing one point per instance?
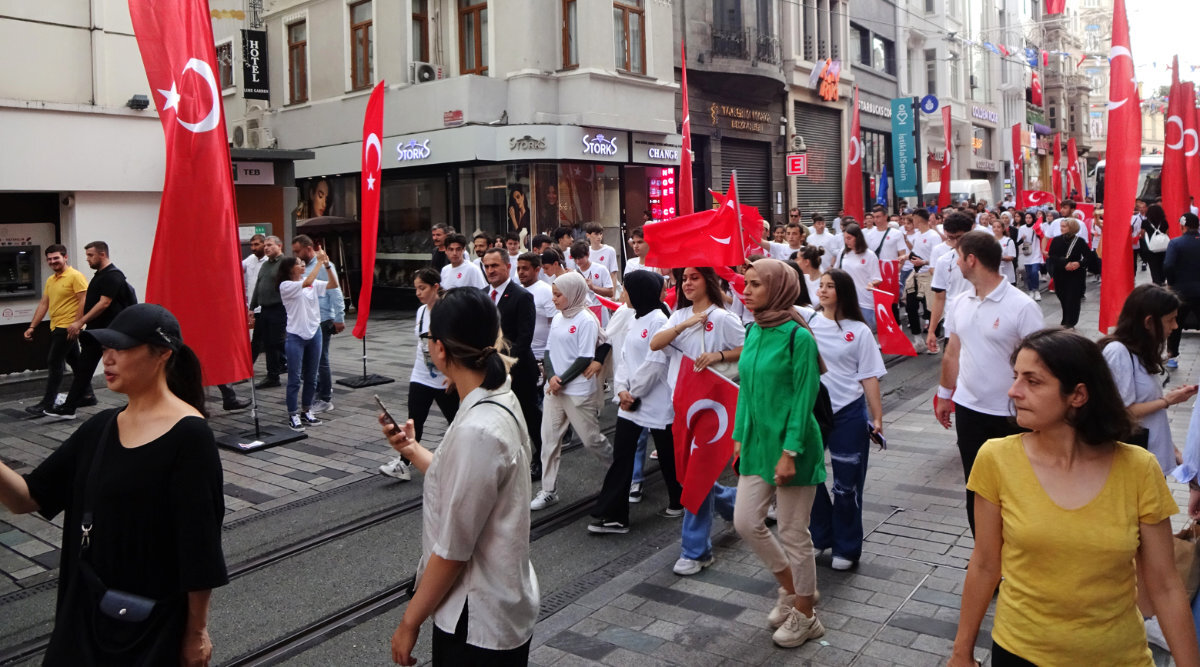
(601, 258)
(849, 336)
(863, 261)
(708, 326)
(996, 324)
(571, 330)
(645, 332)
(460, 274)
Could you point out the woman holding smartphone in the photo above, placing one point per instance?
(475, 579)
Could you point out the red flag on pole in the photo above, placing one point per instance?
(891, 337)
(1191, 140)
(707, 238)
(705, 405)
(889, 272)
(176, 43)
(686, 198)
(1036, 90)
(852, 193)
(1056, 175)
(1074, 178)
(944, 193)
(371, 165)
(1122, 156)
(1174, 169)
(1032, 198)
(1055, 7)
(752, 223)
(1018, 163)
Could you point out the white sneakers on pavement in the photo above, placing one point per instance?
(295, 424)
(841, 564)
(779, 612)
(685, 567)
(635, 492)
(543, 499)
(320, 406)
(397, 468)
(797, 629)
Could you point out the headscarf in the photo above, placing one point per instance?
(644, 289)
(574, 288)
(782, 286)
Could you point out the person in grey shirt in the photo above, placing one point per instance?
(269, 323)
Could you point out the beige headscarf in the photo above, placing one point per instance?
(782, 285)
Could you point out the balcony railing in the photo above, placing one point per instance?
(747, 44)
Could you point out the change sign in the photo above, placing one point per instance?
(904, 150)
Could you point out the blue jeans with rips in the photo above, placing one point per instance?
(837, 522)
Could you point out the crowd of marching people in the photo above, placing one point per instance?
(781, 360)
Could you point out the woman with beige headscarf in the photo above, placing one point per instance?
(780, 445)
(575, 340)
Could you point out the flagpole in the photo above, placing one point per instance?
(737, 205)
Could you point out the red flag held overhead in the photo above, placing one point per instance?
(1123, 153)
(1056, 175)
(705, 405)
(1074, 178)
(1055, 7)
(1032, 198)
(686, 197)
(707, 238)
(372, 161)
(1174, 168)
(176, 43)
(944, 193)
(852, 192)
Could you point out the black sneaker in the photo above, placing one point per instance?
(535, 471)
(236, 404)
(310, 419)
(36, 410)
(295, 424)
(268, 383)
(671, 512)
(60, 412)
(603, 526)
(87, 401)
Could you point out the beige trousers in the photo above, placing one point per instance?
(793, 548)
(581, 412)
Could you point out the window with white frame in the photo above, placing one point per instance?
(297, 45)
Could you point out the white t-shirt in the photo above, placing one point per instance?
(600, 277)
(1054, 229)
(635, 264)
(892, 239)
(512, 267)
(864, 269)
(832, 243)
(988, 330)
(424, 372)
(604, 255)
(302, 307)
(781, 251)
(722, 331)
(250, 267)
(568, 263)
(1137, 386)
(923, 244)
(543, 312)
(947, 277)
(641, 372)
(1007, 249)
(812, 286)
(850, 355)
(1026, 235)
(570, 339)
(463, 275)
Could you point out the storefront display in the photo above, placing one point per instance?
(662, 194)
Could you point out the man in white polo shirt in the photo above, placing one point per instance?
(821, 236)
(985, 325)
(947, 281)
(459, 272)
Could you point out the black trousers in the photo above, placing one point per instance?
(1002, 657)
(912, 305)
(270, 327)
(1155, 259)
(1187, 308)
(1069, 287)
(81, 382)
(61, 350)
(422, 397)
(974, 429)
(524, 385)
(453, 650)
(613, 502)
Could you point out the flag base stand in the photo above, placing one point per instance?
(259, 438)
(366, 379)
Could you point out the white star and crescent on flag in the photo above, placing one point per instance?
(172, 97)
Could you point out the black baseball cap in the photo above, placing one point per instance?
(140, 324)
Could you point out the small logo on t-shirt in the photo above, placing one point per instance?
(849, 336)
(862, 261)
(571, 330)
(595, 276)
(708, 326)
(996, 324)
(645, 332)
(460, 274)
(601, 258)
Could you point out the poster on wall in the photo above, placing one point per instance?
(327, 196)
(518, 210)
(546, 204)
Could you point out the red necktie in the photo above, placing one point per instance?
(494, 296)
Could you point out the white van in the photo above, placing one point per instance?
(974, 190)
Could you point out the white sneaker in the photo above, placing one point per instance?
(841, 564)
(685, 567)
(1154, 633)
(773, 515)
(320, 406)
(543, 499)
(1037, 295)
(919, 345)
(397, 468)
(797, 629)
(779, 612)
(635, 492)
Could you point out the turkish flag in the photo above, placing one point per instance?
(944, 193)
(852, 195)
(1036, 90)
(176, 42)
(752, 224)
(1055, 7)
(1174, 168)
(1074, 178)
(1018, 163)
(371, 164)
(891, 337)
(1031, 198)
(707, 238)
(1191, 140)
(705, 405)
(607, 303)
(1056, 175)
(1089, 217)
(889, 271)
(686, 198)
(1122, 156)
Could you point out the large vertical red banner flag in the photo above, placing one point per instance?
(1191, 139)
(944, 193)
(176, 41)
(1122, 155)
(852, 195)
(1174, 169)
(372, 162)
(687, 199)
(705, 406)
(1018, 163)
(1056, 175)
(1074, 178)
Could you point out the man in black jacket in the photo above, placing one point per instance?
(1183, 256)
(517, 320)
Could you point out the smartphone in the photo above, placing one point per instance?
(386, 414)
(877, 437)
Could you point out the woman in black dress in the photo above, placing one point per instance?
(147, 481)
(1155, 222)
(1067, 257)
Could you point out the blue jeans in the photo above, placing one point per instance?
(868, 315)
(324, 374)
(838, 523)
(697, 528)
(1033, 275)
(302, 357)
(639, 456)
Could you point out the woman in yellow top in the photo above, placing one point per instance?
(1061, 513)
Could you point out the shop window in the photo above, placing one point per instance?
(362, 36)
(297, 35)
(408, 208)
(630, 33)
(570, 33)
(225, 64)
(554, 195)
(981, 143)
(420, 30)
(930, 72)
(472, 37)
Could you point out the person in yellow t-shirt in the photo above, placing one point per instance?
(63, 299)
(1062, 514)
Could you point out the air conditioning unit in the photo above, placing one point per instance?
(239, 134)
(262, 137)
(422, 72)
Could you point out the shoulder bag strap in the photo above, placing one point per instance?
(502, 407)
(89, 486)
(883, 241)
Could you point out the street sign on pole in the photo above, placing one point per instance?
(797, 165)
